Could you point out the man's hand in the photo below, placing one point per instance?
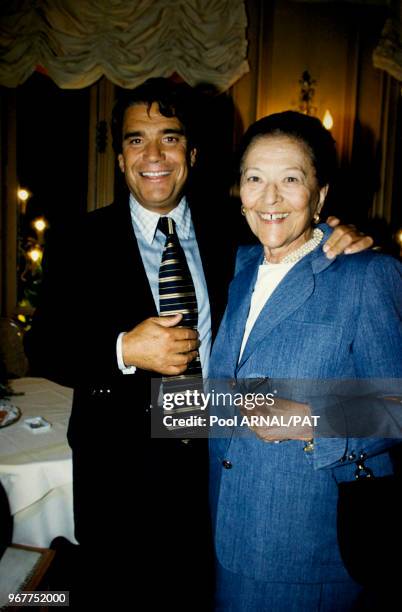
(345, 239)
(156, 344)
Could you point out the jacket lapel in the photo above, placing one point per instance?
(241, 291)
(290, 294)
(138, 299)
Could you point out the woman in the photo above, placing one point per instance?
(294, 314)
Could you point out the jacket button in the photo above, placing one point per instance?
(227, 464)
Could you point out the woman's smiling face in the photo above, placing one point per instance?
(280, 193)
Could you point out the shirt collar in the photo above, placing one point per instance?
(147, 220)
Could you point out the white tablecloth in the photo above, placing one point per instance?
(36, 468)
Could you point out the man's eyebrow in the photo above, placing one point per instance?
(179, 131)
(137, 133)
(132, 134)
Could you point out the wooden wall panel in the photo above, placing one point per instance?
(334, 42)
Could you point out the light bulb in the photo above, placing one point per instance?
(39, 224)
(35, 254)
(327, 121)
(23, 194)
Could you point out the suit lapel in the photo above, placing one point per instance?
(290, 294)
(138, 299)
(239, 303)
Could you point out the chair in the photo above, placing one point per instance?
(12, 348)
(22, 568)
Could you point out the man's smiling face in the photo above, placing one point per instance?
(154, 157)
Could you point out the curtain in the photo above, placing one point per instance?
(366, 2)
(77, 41)
(388, 53)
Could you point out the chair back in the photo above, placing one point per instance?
(12, 348)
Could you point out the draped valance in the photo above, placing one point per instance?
(388, 53)
(77, 41)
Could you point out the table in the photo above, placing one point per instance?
(36, 468)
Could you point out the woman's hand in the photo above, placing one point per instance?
(345, 239)
(284, 420)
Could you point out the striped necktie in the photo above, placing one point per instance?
(177, 295)
(176, 287)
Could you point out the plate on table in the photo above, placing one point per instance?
(9, 414)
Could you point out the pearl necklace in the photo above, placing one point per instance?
(306, 248)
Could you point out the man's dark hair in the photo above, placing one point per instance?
(173, 100)
(304, 128)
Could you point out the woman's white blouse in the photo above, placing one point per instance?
(269, 277)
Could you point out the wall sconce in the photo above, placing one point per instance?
(40, 224)
(35, 255)
(23, 196)
(307, 92)
(33, 259)
(306, 99)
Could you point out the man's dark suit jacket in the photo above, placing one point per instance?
(129, 489)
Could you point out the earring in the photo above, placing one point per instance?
(243, 211)
(316, 218)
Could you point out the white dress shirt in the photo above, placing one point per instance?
(151, 243)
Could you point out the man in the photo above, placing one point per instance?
(98, 329)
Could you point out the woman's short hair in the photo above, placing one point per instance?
(173, 100)
(304, 128)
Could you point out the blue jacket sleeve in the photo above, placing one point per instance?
(377, 355)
